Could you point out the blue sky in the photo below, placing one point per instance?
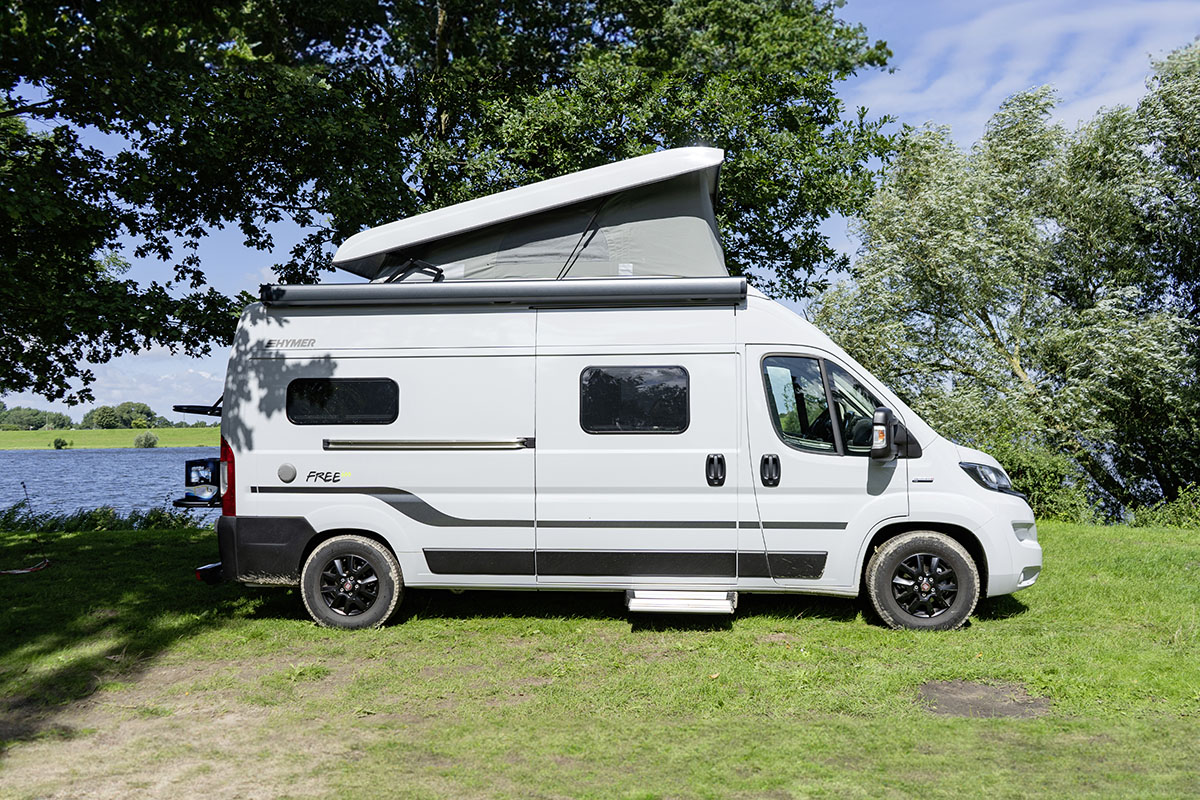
(954, 62)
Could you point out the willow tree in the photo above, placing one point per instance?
(1009, 291)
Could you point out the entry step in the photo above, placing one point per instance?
(667, 602)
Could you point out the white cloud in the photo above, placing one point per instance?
(957, 73)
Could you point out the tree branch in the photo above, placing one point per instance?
(28, 108)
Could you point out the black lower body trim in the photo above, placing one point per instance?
(797, 565)
(753, 565)
(636, 563)
(263, 549)
(626, 563)
(480, 562)
(781, 565)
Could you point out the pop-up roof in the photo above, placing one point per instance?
(651, 215)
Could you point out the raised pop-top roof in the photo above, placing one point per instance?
(641, 216)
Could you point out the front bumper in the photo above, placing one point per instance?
(1017, 531)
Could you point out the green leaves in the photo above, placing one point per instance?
(339, 117)
(1030, 289)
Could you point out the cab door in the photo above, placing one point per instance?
(819, 493)
(635, 469)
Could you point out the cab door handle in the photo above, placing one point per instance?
(769, 469)
(714, 469)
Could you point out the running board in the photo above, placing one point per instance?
(663, 602)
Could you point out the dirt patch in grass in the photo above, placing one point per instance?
(778, 638)
(160, 741)
(968, 699)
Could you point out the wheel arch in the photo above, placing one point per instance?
(963, 536)
(319, 538)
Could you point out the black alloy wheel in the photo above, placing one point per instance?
(351, 581)
(349, 585)
(924, 585)
(923, 580)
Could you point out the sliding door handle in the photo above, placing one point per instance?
(769, 469)
(714, 469)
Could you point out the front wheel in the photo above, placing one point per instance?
(351, 582)
(923, 581)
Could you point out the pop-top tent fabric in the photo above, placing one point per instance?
(624, 226)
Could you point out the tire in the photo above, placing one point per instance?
(351, 582)
(942, 575)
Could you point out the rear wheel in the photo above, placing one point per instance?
(923, 581)
(351, 582)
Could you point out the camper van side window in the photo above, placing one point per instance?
(633, 399)
(343, 401)
(797, 399)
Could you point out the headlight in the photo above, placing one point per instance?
(988, 477)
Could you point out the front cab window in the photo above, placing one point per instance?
(799, 408)
(855, 407)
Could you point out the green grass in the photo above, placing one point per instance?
(167, 437)
(117, 653)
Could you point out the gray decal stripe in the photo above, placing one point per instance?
(799, 526)
(634, 523)
(416, 509)
(406, 503)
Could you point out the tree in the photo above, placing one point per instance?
(56, 421)
(211, 100)
(129, 411)
(1004, 290)
(28, 419)
(343, 117)
(105, 417)
(1170, 114)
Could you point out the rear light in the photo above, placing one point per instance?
(228, 481)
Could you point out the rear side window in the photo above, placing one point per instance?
(343, 401)
(633, 399)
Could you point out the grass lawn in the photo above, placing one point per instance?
(167, 437)
(123, 676)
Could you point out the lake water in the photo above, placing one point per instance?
(66, 480)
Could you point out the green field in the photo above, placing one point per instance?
(167, 437)
(123, 676)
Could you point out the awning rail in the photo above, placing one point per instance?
(579, 293)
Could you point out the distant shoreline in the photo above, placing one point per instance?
(109, 439)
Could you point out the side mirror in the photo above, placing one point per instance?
(883, 435)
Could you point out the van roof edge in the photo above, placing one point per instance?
(590, 292)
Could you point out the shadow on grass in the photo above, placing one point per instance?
(485, 604)
(107, 605)
(1003, 607)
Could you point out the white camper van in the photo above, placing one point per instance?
(561, 387)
